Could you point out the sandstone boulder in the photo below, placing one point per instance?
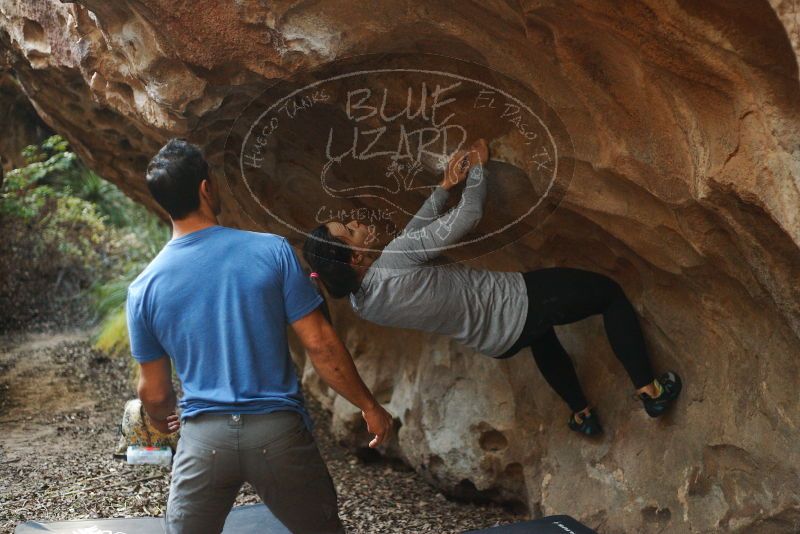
(683, 128)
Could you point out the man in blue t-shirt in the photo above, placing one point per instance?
(215, 304)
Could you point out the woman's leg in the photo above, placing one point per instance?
(564, 295)
(557, 368)
(625, 337)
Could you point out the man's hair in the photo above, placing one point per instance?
(330, 258)
(174, 176)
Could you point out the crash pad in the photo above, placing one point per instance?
(554, 524)
(241, 520)
(256, 517)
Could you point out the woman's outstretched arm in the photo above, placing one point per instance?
(424, 243)
(431, 209)
(454, 174)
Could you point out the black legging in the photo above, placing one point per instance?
(558, 296)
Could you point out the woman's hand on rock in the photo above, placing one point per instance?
(462, 161)
(478, 152)
(457, 169)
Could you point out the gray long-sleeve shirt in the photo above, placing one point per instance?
(484, 310)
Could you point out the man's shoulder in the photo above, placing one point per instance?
(261, 247)
(144, 277)
(139, 287)
(262, 238)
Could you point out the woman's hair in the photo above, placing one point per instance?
(329, 257)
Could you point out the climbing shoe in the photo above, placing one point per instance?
(670, 385)
(588, 424)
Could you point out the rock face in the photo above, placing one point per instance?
(684, 120)
(21, 125)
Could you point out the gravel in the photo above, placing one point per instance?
(61, 402)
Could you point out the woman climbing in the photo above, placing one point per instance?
(495, 313)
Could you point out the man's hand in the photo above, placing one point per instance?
(173, 423)
(165, 426)
(379, 422)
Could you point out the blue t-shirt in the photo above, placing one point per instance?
(218, 302)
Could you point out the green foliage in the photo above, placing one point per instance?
(146, 236)
(55, 245)
(70, 235)
(52, 170)
(112, 337)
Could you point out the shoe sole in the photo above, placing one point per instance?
(589, 434)
(678, 389)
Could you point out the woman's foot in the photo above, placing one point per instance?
(586, 422)
(667, 387)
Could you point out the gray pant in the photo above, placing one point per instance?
(274, 452)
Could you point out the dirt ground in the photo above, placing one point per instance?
(61, 402)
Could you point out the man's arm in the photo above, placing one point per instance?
(335, 366)
(156, 393)
(155, 368)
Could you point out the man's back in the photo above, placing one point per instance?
(218, 302)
